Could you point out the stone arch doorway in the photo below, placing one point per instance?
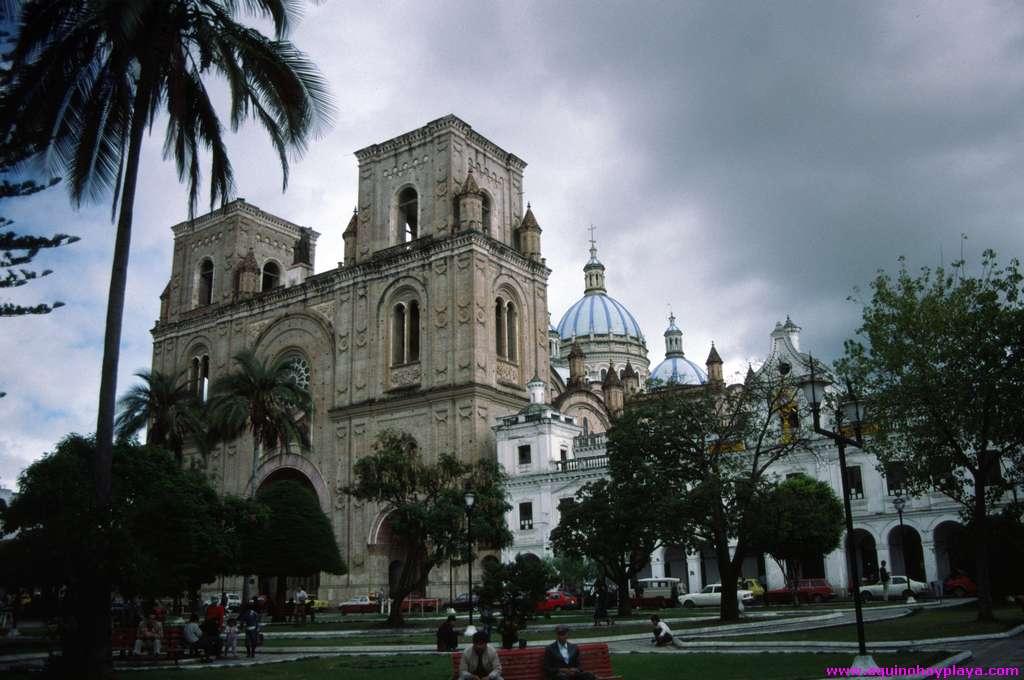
(865, 552)
(952, 550)
(906, 553)
(283, 590)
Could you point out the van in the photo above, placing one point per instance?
(657, 592)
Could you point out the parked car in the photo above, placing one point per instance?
(320, 605)
(807, 590)
(234, 602)
(899, 588)
(959, 584)
(711, 596)
(360, 604)
(461, 603)
(557, 600)
(657, 592)
(751, 584)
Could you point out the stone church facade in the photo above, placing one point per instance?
(434, 323)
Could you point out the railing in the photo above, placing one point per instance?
(586, 442)
(575, 464)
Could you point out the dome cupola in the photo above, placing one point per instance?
(676, 368)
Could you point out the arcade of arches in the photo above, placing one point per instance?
(927, 559)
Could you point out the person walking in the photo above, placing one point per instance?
(251, 624)
(883, 576)
(562, 658)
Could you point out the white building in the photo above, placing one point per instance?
(548, 459)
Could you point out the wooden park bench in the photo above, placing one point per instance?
(528, 663)
(172, 644)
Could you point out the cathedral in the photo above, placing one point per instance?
(436, 323)
(433, 324)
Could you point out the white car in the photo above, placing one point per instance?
(711, 596)
(899, 588)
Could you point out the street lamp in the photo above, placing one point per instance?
(900, 502)
(851, 411)
(470, 499)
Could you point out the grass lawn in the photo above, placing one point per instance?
(630, 666)
(921, 625)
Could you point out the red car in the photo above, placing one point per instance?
(557, 601)
(959, 584)
(807, 590)
(360, 604)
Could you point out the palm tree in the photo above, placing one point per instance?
(264, 400)
(167, 408)
(88, 77)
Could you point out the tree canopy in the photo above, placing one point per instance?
(800, 519)
(296, 538)
(166, 406)
(424, 506)
(940, 359)
(168, 526)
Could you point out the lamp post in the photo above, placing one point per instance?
(470, 499)
(851, 411)
(900, 502)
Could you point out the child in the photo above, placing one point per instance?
(231, 638)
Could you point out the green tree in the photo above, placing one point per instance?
(518, 587)
(800, 519)
(263, 399)
(940, 357)
(424, 506)
(615, 525)
(167, 408)
(167, 529)
(573, 571)
(710, 448)
(88, 77)
(296, 540)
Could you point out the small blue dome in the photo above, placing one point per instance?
(598, 314)
(679, 370)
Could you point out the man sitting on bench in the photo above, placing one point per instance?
(562, 658)
(149, 634)
(480, 661)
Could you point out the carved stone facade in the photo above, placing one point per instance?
(406, 335)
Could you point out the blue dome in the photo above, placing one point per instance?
(599, 314)
(679, 370)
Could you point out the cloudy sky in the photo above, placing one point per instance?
(741, 161)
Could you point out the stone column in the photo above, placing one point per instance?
(658, 563)
(693, 574)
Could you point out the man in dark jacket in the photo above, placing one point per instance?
(562, 658)
(448, 635)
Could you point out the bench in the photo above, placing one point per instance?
(528, 663)
(172, 644)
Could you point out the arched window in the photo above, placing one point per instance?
(604, 374)
(271, 276)
(485, 217)
(398, 335)
(405, 333)
(408, 215)
(506, 329)
(586, 425)
(413, 329)
(511, 328)
(206, 282)
(199, 376)
(499, 327)
(299, 371)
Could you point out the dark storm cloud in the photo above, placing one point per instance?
(741, 161)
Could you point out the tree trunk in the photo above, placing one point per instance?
(410, 575)
(99, 663)
(981, 556)
(281, 595)
(729, 609)
(625, 605)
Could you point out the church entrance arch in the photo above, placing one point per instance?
(284, 589)
(293, 466)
